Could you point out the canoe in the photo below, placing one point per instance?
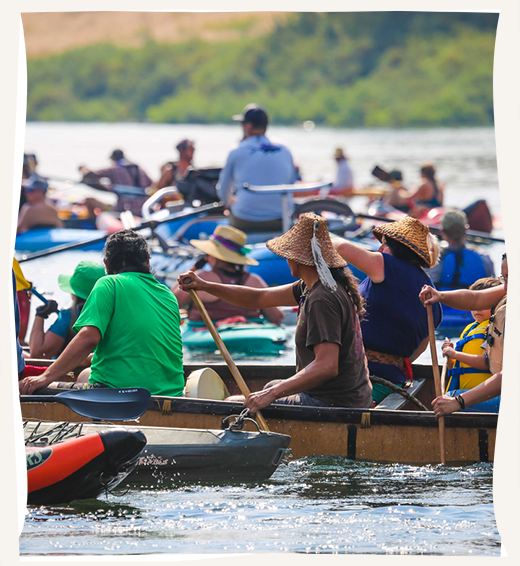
(81, 467)
(188, 455)
(394, 432)
(42, 239)
(254, 337)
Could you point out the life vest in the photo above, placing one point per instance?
(463, 376)
(461, 268)
(495, 337)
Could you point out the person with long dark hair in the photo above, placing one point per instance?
(331, 369)
(395, 327)
(132, 324)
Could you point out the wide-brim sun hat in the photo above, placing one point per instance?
(82, 281)
(295, 244)
(410, 232)
(227, 244)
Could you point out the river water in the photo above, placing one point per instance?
(314, 505)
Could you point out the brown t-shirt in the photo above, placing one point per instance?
(324, 316)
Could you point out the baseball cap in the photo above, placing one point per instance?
(254, 114)
(454, 221)
(34, 183)
(82, 281)
(117, 154)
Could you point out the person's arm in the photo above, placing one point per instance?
(489, 389)
(24, 219)
(372, 264)
(272, 314)
(73, 355)
(324, 366)
(420, 349)
(240, 295)
(477, 361)
(43, 344)
(463, 299)
(225, 182)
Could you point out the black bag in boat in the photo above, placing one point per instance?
(199, 184)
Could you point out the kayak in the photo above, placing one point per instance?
(44, 238)
(79, 468)
(253, 337)
(187, 455)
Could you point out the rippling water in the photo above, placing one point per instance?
(313, 505)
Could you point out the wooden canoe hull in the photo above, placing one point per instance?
(397, 436)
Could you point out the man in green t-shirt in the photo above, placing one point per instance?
(130, 321)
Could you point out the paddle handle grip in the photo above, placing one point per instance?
(436, 375)
(223, 350)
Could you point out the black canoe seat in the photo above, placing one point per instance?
(396, 401)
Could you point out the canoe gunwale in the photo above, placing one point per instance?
(170, 405)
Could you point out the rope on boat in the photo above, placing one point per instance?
(399, 390)
(238, 423)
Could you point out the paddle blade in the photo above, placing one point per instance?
(107, 403)
(21, 281)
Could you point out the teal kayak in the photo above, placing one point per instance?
(256, 336)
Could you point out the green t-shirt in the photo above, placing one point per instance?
(141, 343)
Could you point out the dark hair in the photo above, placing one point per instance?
(126, 251)
(344, 277)
(484, 283)
(400, 251)
(504, 256)
(182, 145)
(428, 170)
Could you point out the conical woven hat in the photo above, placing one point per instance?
(296, 243)
(410, 232)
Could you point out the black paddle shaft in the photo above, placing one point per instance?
(213, 207)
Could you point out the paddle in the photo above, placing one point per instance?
(100, 403)
(470, 234)
(223, 350)
(213, 207)
(22, 283)
(436, 376)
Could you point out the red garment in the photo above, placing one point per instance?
(24, 306)
(29, 371)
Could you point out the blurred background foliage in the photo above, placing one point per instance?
(382, 69)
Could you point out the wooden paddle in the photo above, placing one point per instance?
(223, 350)
(436, 376)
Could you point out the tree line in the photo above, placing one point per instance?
(381, 69)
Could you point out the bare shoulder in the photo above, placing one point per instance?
(254, 280)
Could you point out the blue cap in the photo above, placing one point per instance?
(34, 182)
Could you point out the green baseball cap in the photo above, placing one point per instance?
(82, 281)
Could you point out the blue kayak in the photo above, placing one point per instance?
(44, 238)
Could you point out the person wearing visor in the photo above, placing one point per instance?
(256, 161)
(226, 258)
(37, 212)
(331, 368)
(48, 344)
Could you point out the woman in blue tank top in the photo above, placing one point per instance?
(395, 326)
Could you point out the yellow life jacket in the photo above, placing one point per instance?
(463, 376)
(495, 337)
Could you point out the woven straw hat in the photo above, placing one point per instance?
(228, 244)
(296, 243)
(410, 232)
